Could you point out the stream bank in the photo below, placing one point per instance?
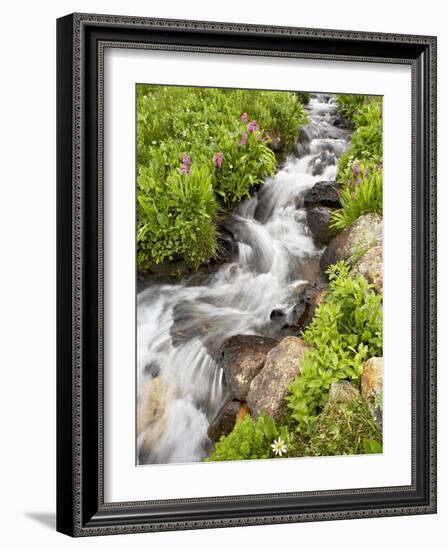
(269, 289)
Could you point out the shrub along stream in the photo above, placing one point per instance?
(360, 169)
(201, 150)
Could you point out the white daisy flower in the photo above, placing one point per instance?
(279, 447)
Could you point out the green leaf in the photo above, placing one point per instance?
(371, 446)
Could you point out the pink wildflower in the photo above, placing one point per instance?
(252, 126)
(219, 157)
(186, 161)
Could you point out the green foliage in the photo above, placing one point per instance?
(344, 429)
(243, 168)
(250, 439)
(346, 330)
(303, 97)
(348, 105)
(198, 148)
(371, 446)
(175, 217)
(359, 198)
(278, 113)
(366, 147)
(360, 167)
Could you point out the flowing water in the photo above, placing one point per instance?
(180, 327)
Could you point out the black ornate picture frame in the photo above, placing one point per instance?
(81, 509)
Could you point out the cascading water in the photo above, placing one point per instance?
(181, 327)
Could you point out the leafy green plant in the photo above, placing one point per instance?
(303, 97)
(366, 147)
(371, 446)
(348, 105)
(243, 168)
(358, 198)
(250, 439)
(199, 149)
(344, 429)
(175, 217)
(346, 330)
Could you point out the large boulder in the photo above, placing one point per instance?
(269, 388)
(364, 233)
(318, 219)
(323, 193)
(372, 386)
(370, 265)
(242, 358)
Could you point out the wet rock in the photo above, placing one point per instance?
(372, 386)
(308, 270)
(318, 220)
(270, 387)
(152, 369)
(308, 297)
(242, 358)
(227, 249)
(344, 123)
(277, 314)
(370, 266)
(301, 313)
(298, 311)
(302, 148)
(175, 269)
(323, 193)
(154, 395)
(225, 421)
(342, 391)
(316, 298)
(363, 234)
(299, 288)
(321, 161)
(227, 246)
(199, 278)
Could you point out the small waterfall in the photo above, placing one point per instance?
(181, 327)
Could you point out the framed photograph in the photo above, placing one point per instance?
(246, 274)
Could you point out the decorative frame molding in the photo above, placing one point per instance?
(81, 41)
